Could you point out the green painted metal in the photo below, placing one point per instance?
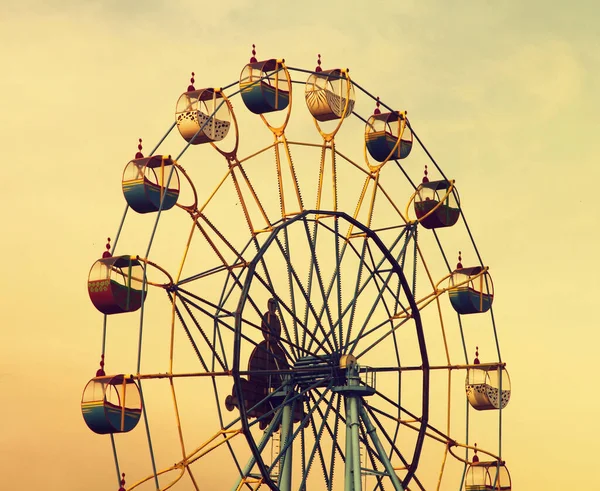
(285, 475)
(380, 450)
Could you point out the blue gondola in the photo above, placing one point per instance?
(388, 136)
(264, 86)
(111, 404)
(144, 183)
(471, 290)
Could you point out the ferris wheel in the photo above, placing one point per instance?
(303, 295)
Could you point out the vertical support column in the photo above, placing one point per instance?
(353, 403)
(285, 465)
(352, 474)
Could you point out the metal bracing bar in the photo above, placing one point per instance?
(380, 450)
(261, 445)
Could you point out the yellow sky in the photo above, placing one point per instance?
(503, 95)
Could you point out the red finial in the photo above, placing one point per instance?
(476, 361)
(459, 265)
(107, 253)
(100, 371)
(475, 458)
(318, 69)
(139, 154)
(425, 178)
(191, 86)
(253, 59)
(377, 110)
(122, 488)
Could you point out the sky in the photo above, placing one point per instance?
(503, 94)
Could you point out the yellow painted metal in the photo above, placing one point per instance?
(221, 437)
(123, 403)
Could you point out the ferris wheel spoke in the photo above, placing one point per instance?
(332, 433)
(372, 456)
(335, 279)
(314, 271)
(217, 321)
(187, 332)
(293, 275)
(387, 334)
(281, 304)
(291, 283)
(379, 299)
(317, 434)
(232, 329)
(312, 241)
(334, 439)
(202, 333)
(394, 450)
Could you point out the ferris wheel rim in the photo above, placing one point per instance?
(237, 373)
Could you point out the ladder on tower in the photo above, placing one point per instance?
(275, 450)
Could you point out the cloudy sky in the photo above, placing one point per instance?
(504, 95)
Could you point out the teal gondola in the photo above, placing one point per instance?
(115, 284)
(471, 290)
(264, 86)
(111, 404)
(388, 136)
(427, 198)
(145, 181)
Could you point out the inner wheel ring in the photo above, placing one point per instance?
(318, 317)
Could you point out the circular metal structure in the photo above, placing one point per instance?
(303, 339)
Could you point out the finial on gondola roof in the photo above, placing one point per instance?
(122, 488)
(253, 59)
(475, 457)
(377, 110)
(139, 154)
(100, 372)
(191, 86)
(318, 69)
(425, 178)
(107, 253)
(459, 265)
(476, 361)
